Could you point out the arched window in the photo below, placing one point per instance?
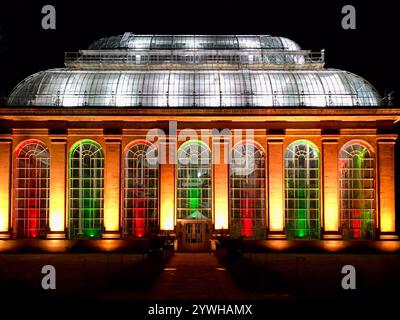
(86, 190)
(32, 189)
(247, 189)
(140, 190)
(194, 181)
(357, 191)
(302, 191)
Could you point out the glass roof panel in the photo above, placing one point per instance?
(132, 41)
(194, 88)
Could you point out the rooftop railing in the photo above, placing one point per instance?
(138, 59)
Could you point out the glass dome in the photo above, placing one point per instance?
(211, 42)
(194, 88)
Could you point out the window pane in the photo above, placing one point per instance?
(86, 190)
(194, 181)
(302, 193)
(247, 191)
(140, 190)
(357, 191)
(32, 189)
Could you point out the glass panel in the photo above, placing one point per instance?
(86, 190)
(247, 191)
(338, 91)
(188, 88)
(302, 191)
(233, 88)
(284, 89)
(357, 191)
(194, 181)
(140, 190)
(32, 189)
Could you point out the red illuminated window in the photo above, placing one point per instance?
(32, 189)
(247, 189)
(357, 191)
(140, 190)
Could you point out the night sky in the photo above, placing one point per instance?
(369, 51)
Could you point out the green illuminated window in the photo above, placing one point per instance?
(247, 189)
(32, 189)
(194, 181)
(357, 191)
(86, 190)
(140, 190)
(302, 191)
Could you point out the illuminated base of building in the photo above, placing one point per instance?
(323, 133)
(146, 246)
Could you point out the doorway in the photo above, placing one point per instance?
(194, 236)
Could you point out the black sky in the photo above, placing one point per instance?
(370, 50)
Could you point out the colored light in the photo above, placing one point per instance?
(301, 176)
(33, 222)
(139, 221)
(357, 218)
(91, 232)
(87, 156)
(32, 172)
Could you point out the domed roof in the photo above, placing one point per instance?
(194, 88)
(212, 42)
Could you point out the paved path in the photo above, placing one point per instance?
(194, 276)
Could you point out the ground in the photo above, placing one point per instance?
(200, 276)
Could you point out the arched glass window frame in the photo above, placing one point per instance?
(364, 235)
(32, 231)
(90, 232)
(151, 225)
(310, 228)
(195, 191)
(259, 229)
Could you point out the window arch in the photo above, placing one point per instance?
(357, 190)
(86, 190)
(247, 189)
(194, 181)
(302, 191)
(32, 189)
(141, 172)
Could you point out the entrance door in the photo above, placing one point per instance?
(193, 236)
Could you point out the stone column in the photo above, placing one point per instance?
(386, 186)
(220, 150)
(58, 187)
(112, 187)
(5, 185)
(167, 183)
(276, 188)
(330, 190)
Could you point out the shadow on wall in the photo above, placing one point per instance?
(79, 276)
(304, 276)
